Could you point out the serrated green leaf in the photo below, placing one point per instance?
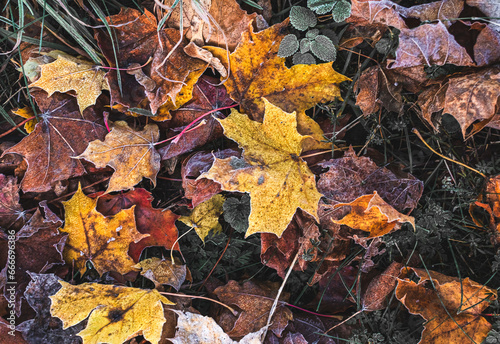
(236, 212)
(312, 33)
(305, 45)
(288, 46)
(306, 58)
(321, 6)
(341, 11)
(302, 18)
(323, 48)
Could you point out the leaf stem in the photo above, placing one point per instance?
(201, 297)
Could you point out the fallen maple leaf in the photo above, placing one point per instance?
(257, 72)
(199, 329)
(62, 133)
(205, 217)
(115, 314)
(372, 214)
(102, 240)
(429, 44)
(130, 153)
(163, 271)
(254, 300)
(158, 223)
(452, 307)
(272, 172)
(468, 98)
(69, 73)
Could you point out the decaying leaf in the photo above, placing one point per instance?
(39, 235)
(62, 133)
(69, 73)
(468, 98)
(272, 172)
(490, 202)
(158, 223)
(163, 271)
(429, 44)
(372, 214)
(130, 153)
(205, 216)
(196, 328)
(10, 209)
(451, 307)
(257, 72)
(254, 301)
(380, 288)
(115, 314)
(232, 21)
(102, 240)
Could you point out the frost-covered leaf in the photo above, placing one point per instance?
(323, 48)
(236, 212)
(302, 18)
(306, 58)
(321, 6)
(288, 46)
(305, 45)
(341, 11)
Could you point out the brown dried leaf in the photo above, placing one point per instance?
(254, 301)
(452, 307)
(162, 271)
(468, 98)
(10, 209)
(62, 133)
(380, 287)
(429, 44)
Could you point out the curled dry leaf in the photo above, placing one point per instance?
(163, 271)
(138, 41)
(115, 314)
(277, 179)
(102, 240)
(62, 133)
(205, 216)
(158, 223)
(69, 73)
(254, 301)
(232, 21)
(380, 288)
(491, 203)
(451, 307)
(257, 72)
(130, 153)
(372, 214)
(468, 98)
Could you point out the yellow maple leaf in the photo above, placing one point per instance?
(130, 153)
(277, 179)
(257, 71)
(69, 73)
(372, 214)
(27, 112)
(205, 216)
(116, 313)
(102, 240)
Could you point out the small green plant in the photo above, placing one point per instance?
(314, 44)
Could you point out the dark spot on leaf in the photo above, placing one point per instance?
(261, 180)
(115, 315)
